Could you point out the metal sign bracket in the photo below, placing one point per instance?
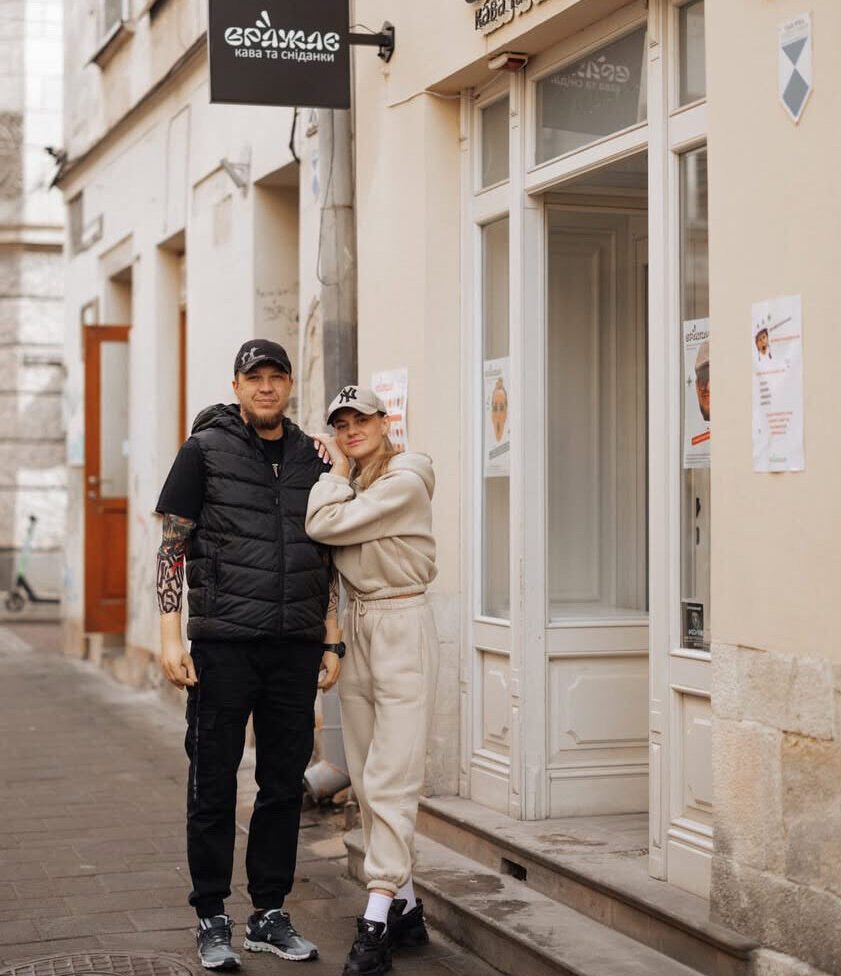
(384, 41)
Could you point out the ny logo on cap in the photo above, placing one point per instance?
(347, 394)
(248, 357)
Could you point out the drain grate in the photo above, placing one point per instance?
(101, 964)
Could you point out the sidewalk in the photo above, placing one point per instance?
(92, 847)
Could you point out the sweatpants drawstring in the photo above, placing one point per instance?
(358, 610)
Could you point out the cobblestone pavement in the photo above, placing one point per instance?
(92, 846)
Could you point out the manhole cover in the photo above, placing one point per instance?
(101, 964)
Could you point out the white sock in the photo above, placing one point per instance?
(407, 892)
(378, 906)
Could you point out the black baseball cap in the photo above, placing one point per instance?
(255, 352)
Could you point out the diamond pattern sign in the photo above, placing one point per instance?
(795, 64)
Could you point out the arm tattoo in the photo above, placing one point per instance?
(333, 602)
(171, 557)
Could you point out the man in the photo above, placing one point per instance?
(763, 348)
(702, 378)
(260, 603)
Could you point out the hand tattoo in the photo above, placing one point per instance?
(171, 557)
(333, 601)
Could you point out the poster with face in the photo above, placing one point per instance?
(497, 418)
(777, 356)
(696, 411)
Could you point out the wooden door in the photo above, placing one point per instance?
(106, 477)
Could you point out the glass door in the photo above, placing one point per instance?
(596, 499)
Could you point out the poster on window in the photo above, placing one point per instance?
(392, 387)
(497, 418)
(777, 355)
(696, 412)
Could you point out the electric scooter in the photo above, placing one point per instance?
(22, 590)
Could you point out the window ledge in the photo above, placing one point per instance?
(116, 38)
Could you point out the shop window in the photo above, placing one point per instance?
(495, 155)
(695, 402)
(593, 97)
(496, 438)
(693, 81)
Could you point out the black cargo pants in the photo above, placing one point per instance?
(277, 684)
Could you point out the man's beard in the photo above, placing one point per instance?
(264, 421)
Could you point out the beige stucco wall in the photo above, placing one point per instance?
(407, 185)
(439, 46)
(775, 229)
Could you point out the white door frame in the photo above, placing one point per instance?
(518, 782)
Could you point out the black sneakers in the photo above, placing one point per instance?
(272, 931)
(370, 954)
(409, 930)
(213, 939)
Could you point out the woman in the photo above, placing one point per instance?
(374, 508)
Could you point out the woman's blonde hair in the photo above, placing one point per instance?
(376, 469)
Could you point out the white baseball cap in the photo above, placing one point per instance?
(355, 398)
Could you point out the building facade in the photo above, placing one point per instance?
(32, 480)
(567, 212)
(183, 242)
(585, 202)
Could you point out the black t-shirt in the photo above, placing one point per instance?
(183, 490)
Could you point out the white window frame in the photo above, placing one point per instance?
(669, 131)
(610, 148)
(495, 92)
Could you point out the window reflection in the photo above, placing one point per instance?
(696, 335)
(593, 97)
(693, 80)
(495, 377)
(495, 161)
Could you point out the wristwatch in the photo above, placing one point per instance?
(338, 649)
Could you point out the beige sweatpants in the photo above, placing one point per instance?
(387, 691)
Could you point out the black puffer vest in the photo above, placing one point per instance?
(253, 572)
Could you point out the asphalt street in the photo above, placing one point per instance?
(92, 843)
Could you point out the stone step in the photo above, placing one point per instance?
(596, 866)
(513, 927)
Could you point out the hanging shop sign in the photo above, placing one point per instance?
(777, 355)
(696, 410)
(490, 15)
(795, 65)
(280, 52)
(285, 52)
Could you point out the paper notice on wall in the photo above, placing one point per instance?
(696, 382)
(777, 355)
(392, 387)
(497, 418)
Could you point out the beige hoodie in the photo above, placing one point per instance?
(383, 536)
